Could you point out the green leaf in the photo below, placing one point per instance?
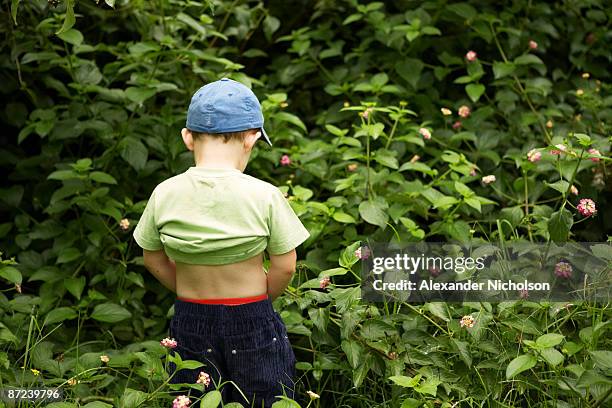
(561, 186)
(520, 364)
(549, 340)
(333, 272)
(602, 358)
(68, 255)
(405, 381)
(212, 399)
(289, 118)
(111, 3)
(187, 19)
(502, 69)
(71, 36)
(374, 212)
(60, 314)
(102, 177)
(11, 274)
(134, 152)
(344, 217)
(353, 351)
(464, 351)
(69, 20)
(527, 59)
(410, 70)
(429, 386)
(139, 95)
(110, 313)
(475, 91)
(473, 202)
(438, 309)
(63, 175)
(552, 356)
(75, 286)
(559, 225)
(14, 7)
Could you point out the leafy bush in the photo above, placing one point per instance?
(388, 119)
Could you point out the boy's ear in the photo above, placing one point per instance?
(250, 139)
(187, 138)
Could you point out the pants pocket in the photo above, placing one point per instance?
(196, 347)
(261, 365)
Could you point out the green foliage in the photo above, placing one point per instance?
(355, 94)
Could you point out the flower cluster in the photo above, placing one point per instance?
(586, 207)
(285, 160)
(563, 270)
(425, 133)
(488, 179)
(181, 402)
(203, 378)
(594, 152)
(464, 111)
(313, 395)
(534, 155)
(104, 358)
(363, 254)
(124, 224)
(471, 56)
(169, 343)
(324, 283)
(467, 321)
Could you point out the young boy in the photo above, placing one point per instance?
(203, 234)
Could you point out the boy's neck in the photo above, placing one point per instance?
(219, 155)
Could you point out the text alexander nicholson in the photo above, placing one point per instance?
(469, 285)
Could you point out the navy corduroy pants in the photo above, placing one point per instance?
(246, 344)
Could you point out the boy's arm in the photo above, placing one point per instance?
(162, 267)
(280, 273)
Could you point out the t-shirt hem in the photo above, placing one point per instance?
(148, 245)
(291, 243)
(207, 259)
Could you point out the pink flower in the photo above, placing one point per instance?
(457, 124)
(352, 167)
(203, 378)
(563, 270)
(533, 45)
(323, 283)
(285, 160)
(363, 254)
(573, 190)
(464, 111)
(181, 402)
(471, 56)
(425, 133)
(467, 321)
(559, 149)
(586, 207)
(533, 155)
(366, 113)
(594, 152)
(488, 179)
(435, 272)
(169, 343)
(523, 293)
(473, 171)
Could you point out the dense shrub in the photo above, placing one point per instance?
(389, 115)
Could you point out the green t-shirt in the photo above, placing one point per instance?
(218, 216)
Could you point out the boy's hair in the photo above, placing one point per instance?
(227, 136)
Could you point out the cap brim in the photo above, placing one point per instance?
(265, 136)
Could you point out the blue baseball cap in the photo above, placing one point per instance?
(225, 106)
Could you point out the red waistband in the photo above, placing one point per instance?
(227, 301)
